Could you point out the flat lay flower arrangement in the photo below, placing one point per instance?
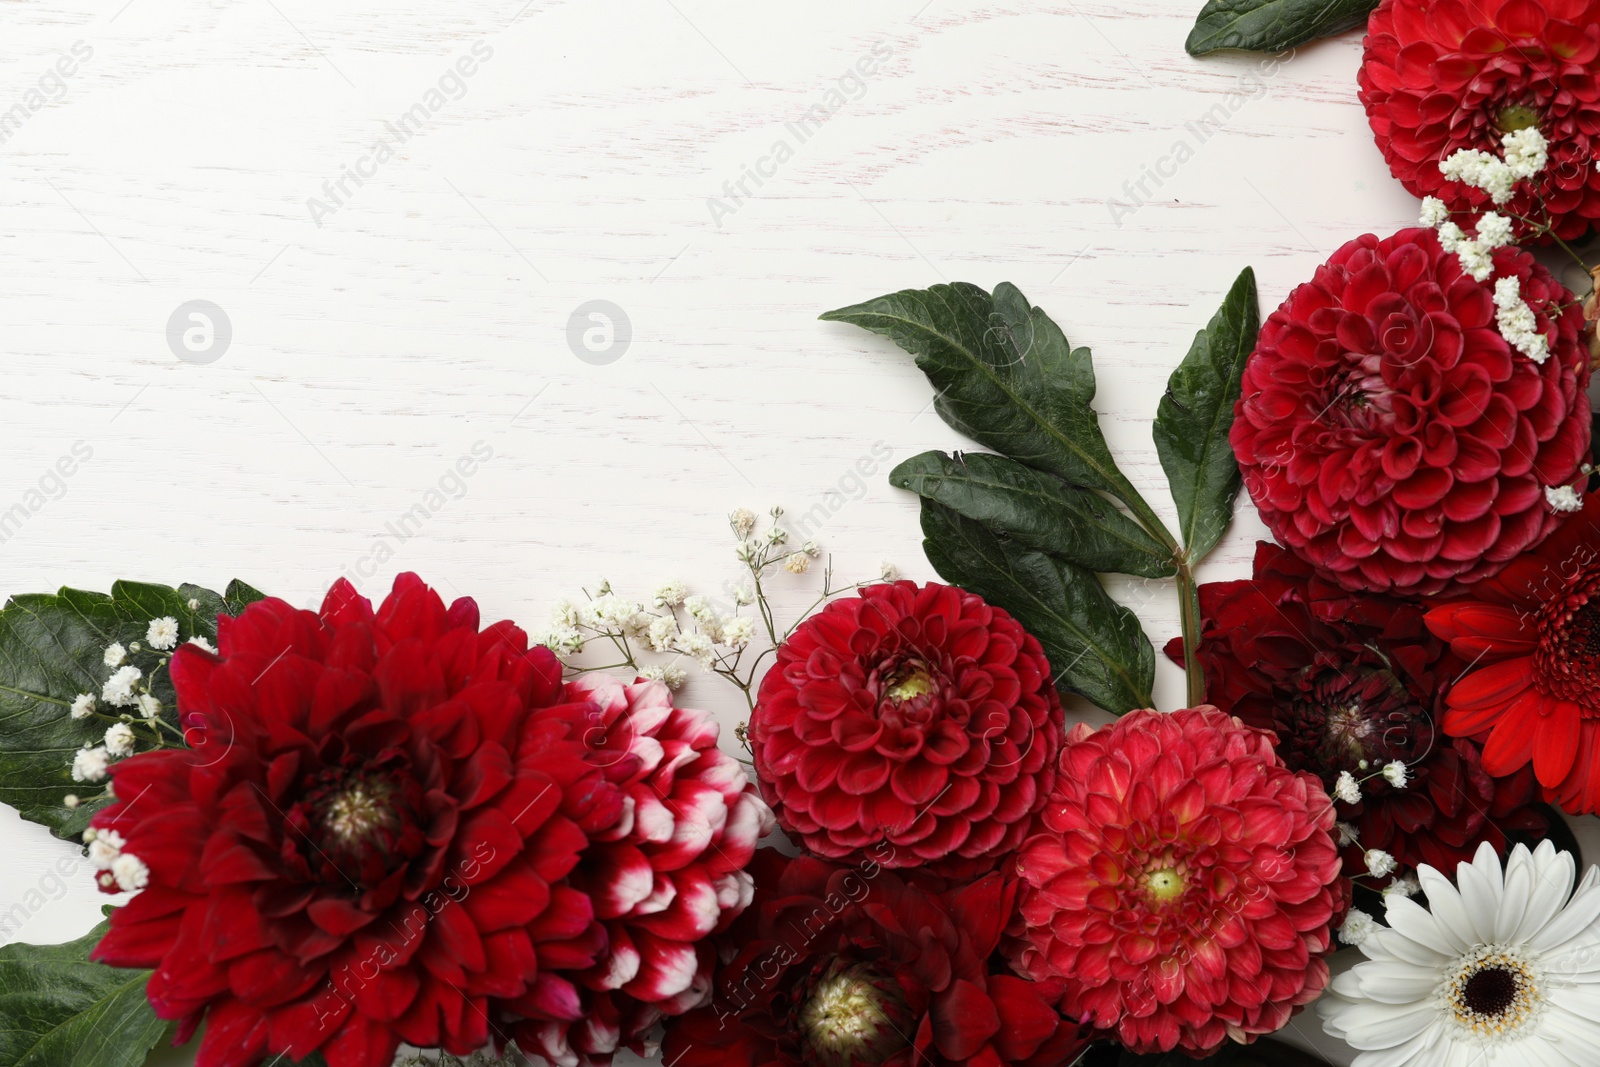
(368, 831)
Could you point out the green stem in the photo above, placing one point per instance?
(1189, 616)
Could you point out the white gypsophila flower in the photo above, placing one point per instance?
(698, 646)
(1347, 834)
(194, 604)
(120, 741)
(149, 706)
(1358, 925)
(737, 631)
(1563, 498)
(888, 572)
(675, 676)
(130, 872)
(199, 641)
(1494, 230)
(797, 563)
(811, 548)
(699, 608)
(162, 633)
(82, 706)
(663, 629)
(115, 655)
(1481, 171)
(1379, 863)
(119, 688)
(564, 614)
(1394, 772)
(560, 641)
(1517, 322)
(777, 536)
(742, 520)
(104, 848)
(1405, 886)
(746, 551)
(670, 594)
(70, 801)
(1526, 152)
(1476, 260)
(1434, 211)
(653, 673)
(1451, 236)
(89, 765)
(1347, 789)
(743, 595)
(615, 612)
(1501, 969)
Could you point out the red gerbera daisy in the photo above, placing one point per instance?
(378, 836)
(1532, 634)
(1389, 434)
(1350, 683)
(1184, 883)
(1440, 76)
(922, 717)
(858, 967)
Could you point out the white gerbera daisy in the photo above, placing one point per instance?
(1503, 971)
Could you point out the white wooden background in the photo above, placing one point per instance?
(376, 343)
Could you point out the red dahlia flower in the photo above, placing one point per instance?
(1389, 434)
(920, 717)
(382, 834)
(1351, 683)
(855, 967)
(663, 880)
(1532, 634)
(1440, 76)
(1183, 884)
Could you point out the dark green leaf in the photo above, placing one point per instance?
(1095, 646)
(1006, 377)
(1272, 25)
(59, 1010)
(51, 649)
(1037, 509)
(1193, 419)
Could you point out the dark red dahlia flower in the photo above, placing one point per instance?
(373, 839)
(1532, 635)
(920, 717)
(856, 967)
(1388, 433)
(663, 880)
(1440, 76)
(1183, 884)
(1351, 683)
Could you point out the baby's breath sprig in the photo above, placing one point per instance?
(730, 636)
(127, 703)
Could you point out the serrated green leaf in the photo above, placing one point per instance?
(1272, 25)
(1037, 509)
(1095, 645)
(57, 1009)
(52, 648)
(1006, 377)
(1193, 419)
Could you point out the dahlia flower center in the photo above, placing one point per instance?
(1493, 992)
(908, 684)
(1514, 117)
(360, 813)
(1165, 884)
(1345, 716)
(1569, 649)
(847, 1017)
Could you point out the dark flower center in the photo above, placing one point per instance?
(852, 1014)
(1490, 991)
(1344, 716)
(1569, 645)
(355, 823)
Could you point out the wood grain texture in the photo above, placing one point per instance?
(586, 159)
